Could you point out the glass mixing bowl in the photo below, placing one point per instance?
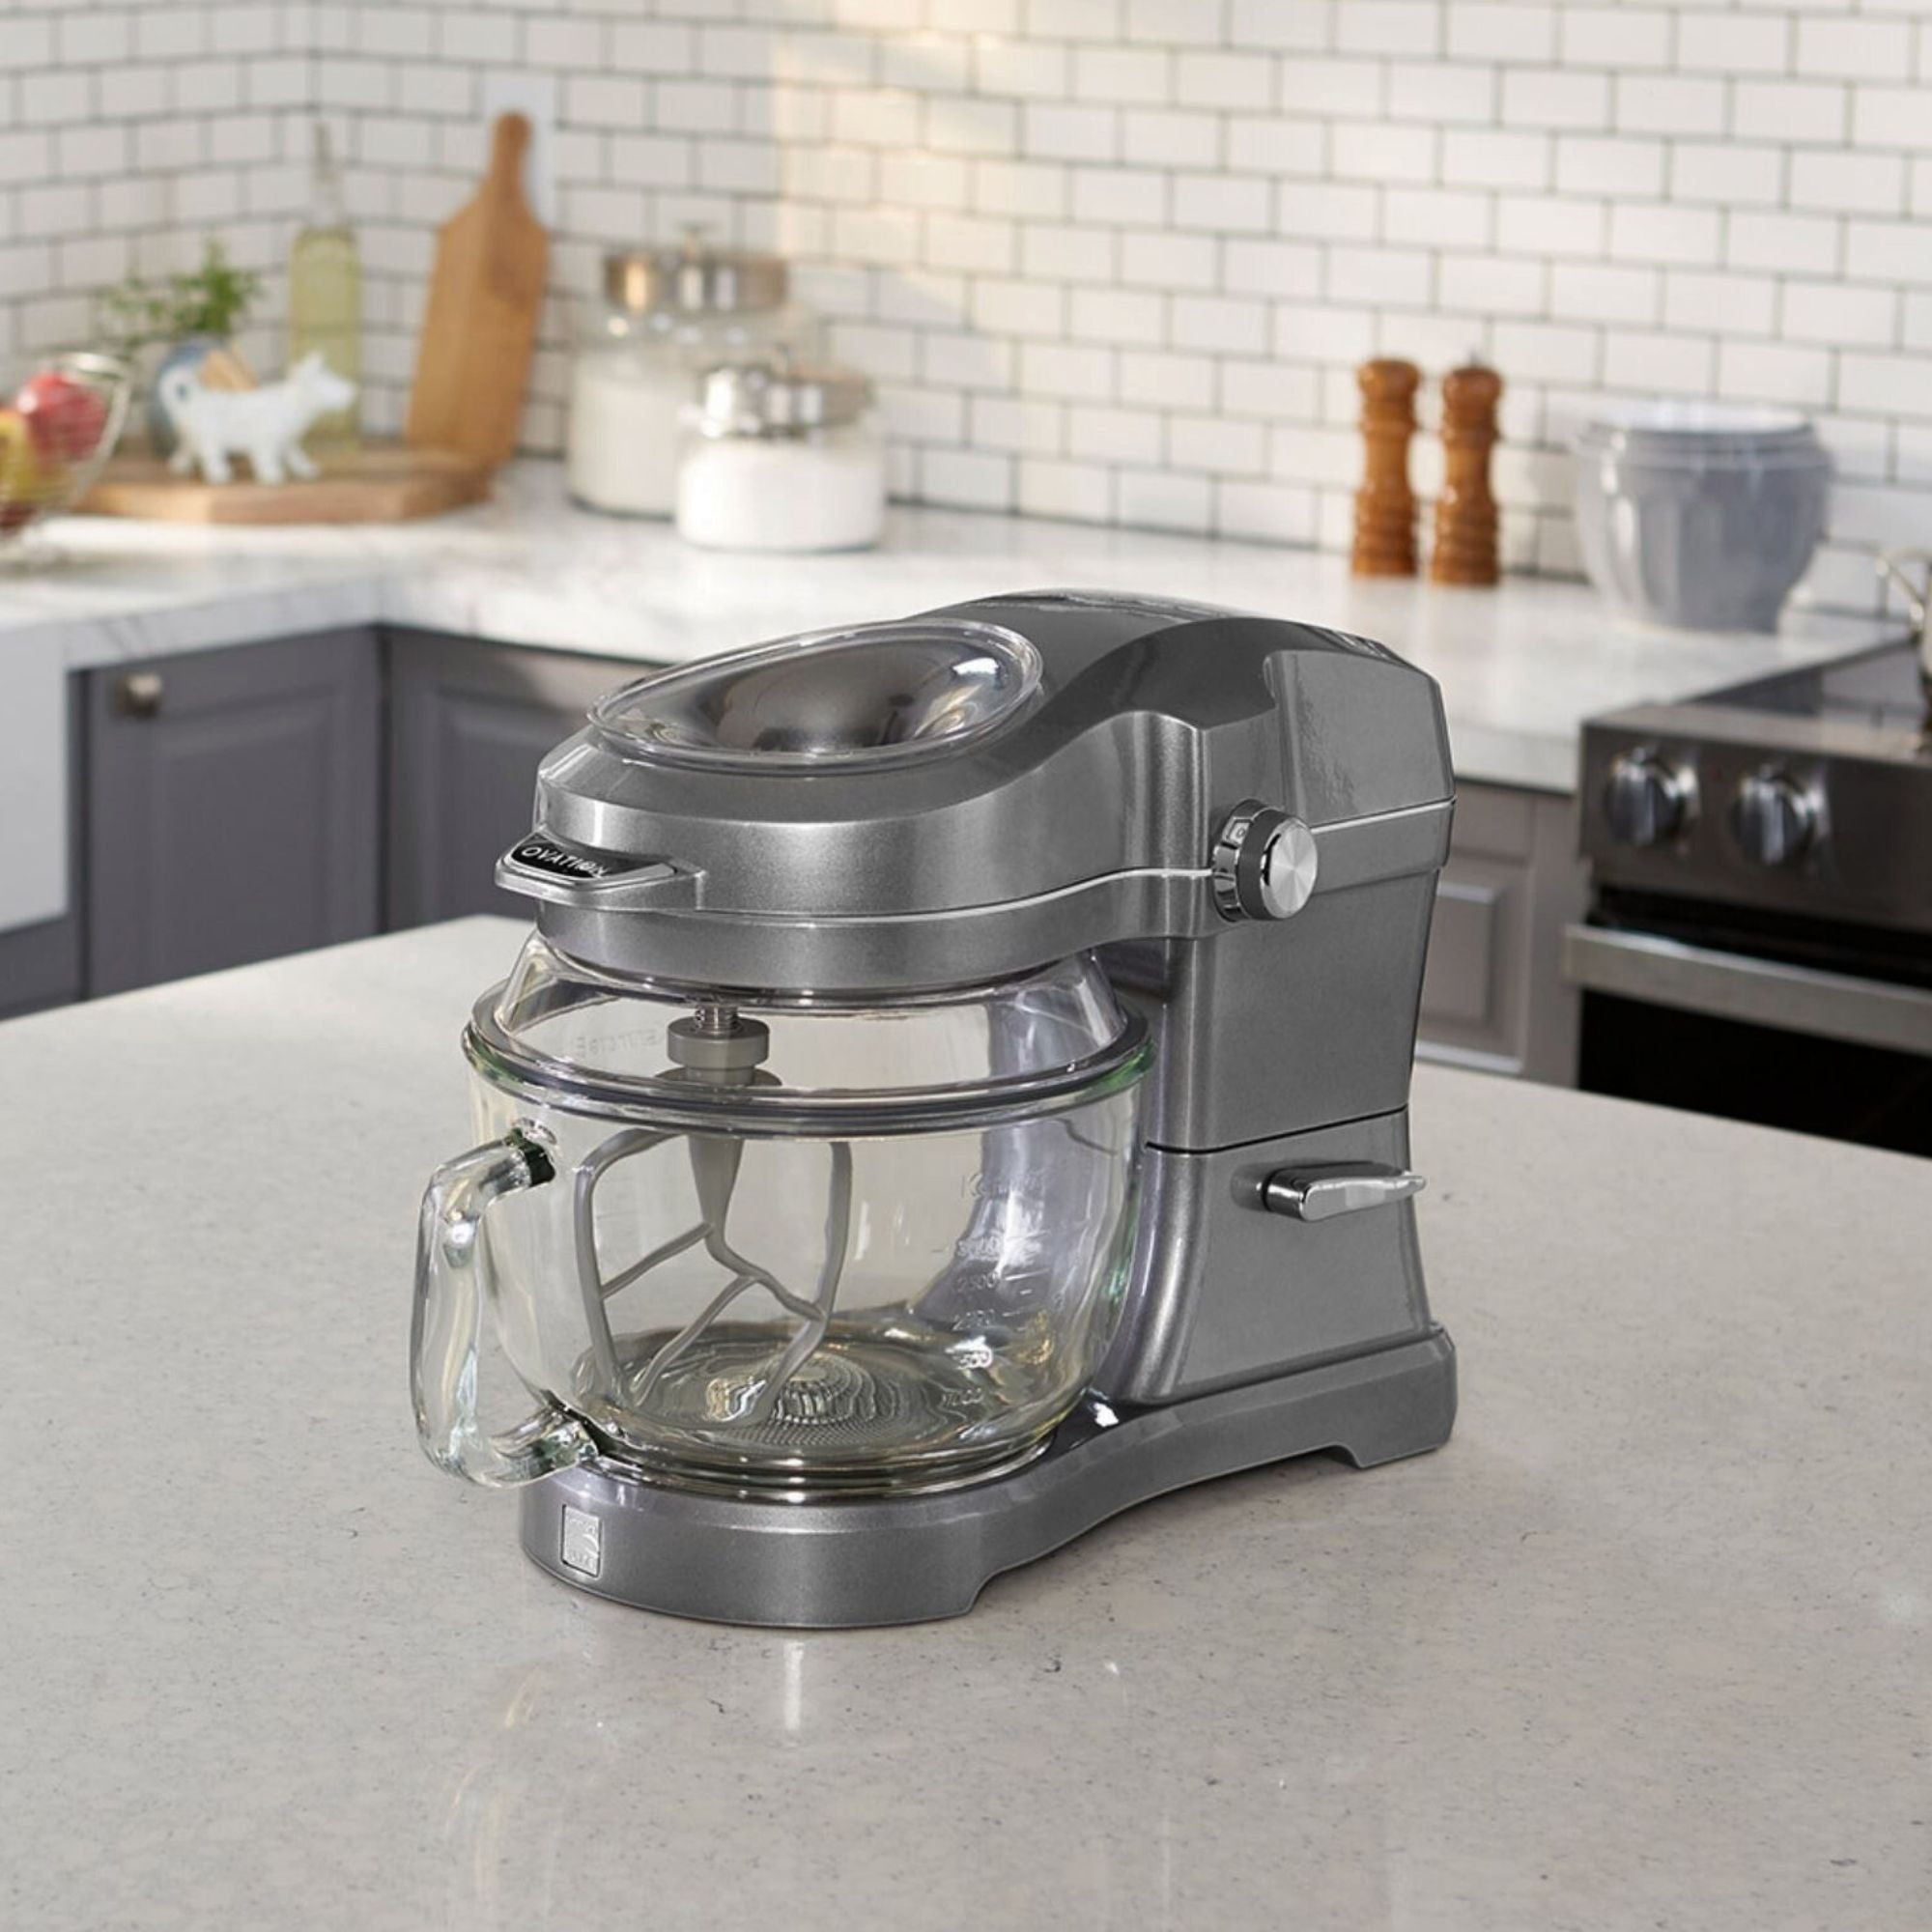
(755, 1241)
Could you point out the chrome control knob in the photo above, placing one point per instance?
(1264, 862)
(1646, 801)
(1773, 818)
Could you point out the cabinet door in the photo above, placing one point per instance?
(469, 725)
(1493, 995)
(233, 807)
(40, 965)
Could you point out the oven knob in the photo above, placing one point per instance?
(1773, 818)
(1646, 801)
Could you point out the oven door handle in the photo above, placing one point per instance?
(1761, 992)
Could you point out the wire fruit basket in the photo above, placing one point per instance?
(57, 431)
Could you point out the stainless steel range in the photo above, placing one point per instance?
(1760, 940)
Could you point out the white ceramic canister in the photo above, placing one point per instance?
(663, 317)
(776, 457)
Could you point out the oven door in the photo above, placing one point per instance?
(1843, 1049)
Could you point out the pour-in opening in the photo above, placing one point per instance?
(873, 694)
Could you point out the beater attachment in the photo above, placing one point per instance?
(714, 1046)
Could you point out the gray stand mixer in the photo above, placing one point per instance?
(1234, 826)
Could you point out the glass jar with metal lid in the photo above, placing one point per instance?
(777, 456)
(660, 318)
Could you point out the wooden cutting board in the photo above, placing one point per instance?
(480, 321)
(372, 485)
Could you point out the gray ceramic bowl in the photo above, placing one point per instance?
(1700, 515)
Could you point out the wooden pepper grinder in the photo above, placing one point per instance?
(1466, 512)
(1385, 503)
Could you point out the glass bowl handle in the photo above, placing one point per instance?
(452, 1289)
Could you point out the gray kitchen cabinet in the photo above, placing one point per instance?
(1492, 996)
(40, 964)
(233, 807)
(469, 724)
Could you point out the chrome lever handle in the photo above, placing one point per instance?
(1345, 1187)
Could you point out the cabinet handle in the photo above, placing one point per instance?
(138, 693)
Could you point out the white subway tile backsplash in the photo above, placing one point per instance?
(1084, 490)
(1167, 381)
(1339, 210)
(1837, 313)
(1684, 105)
(1727, 173)
(1162, 138)
(1790, 110)
(1269, 268)
(1887, 251)
(1622, 38)
(1493, 159)
(1222, 203)
(1442, 93)
(967, 124)
(1225, 323)
(1401, 276)
(1551, 226)
(1274, 144)
(1376, 151)
(1070, 133)
(1555, 98)
(1332, 87)
(1160, 499)
(1501, 30)
(1121, 73)
(1724, 42)
(1110, 259)
(1668, 364)
(1775, 373)
(1118, 315)
(1585, 291)
(1611, 164)
(1223, 80)
(1022, 68)
(1447, 219)
(1660, 232)
(1722, 303)
(1856, 183)
(1072, 254)
(1873, 49)
(1804, 244)
(1389, 26)
(1492, 285)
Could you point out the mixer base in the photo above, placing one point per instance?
(905, 1559)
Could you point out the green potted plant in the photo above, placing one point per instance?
(190, 316)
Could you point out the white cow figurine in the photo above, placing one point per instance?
(266, 425)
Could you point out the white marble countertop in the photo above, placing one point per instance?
(1649, 1643)
(1520, 667)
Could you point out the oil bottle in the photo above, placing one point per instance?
(325, 293)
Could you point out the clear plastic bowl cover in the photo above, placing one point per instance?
(903, 1063)
(872, 694)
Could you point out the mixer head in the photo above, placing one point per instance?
(961, 795)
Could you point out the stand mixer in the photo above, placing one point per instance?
(956, 1089)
